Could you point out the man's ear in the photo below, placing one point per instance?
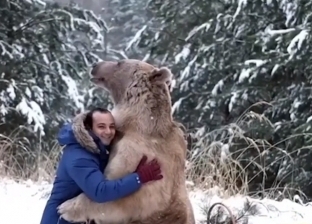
(163, 75)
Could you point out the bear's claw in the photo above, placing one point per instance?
(70, 212)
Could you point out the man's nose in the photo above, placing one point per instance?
(108, 131)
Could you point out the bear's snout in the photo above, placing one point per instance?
(95, 67)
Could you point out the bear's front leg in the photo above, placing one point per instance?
(81, 209)
(75, 210)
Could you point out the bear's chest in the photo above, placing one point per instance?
(126, 154)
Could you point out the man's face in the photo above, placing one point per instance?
(104, 126)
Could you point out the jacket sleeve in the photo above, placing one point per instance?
(86, 173)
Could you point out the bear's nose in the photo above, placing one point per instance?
(94, 68)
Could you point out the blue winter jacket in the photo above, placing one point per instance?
(81, 170)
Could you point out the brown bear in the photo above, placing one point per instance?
(143, 116)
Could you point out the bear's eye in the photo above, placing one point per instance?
(101, 79)
(119, 63)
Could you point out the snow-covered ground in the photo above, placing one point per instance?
(22, 203)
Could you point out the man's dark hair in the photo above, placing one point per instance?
(88, 122)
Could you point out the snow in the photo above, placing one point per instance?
(177, 104)
(33, 113)
(136, 37)
(73, 91)
(241, 4)
(296, 43)
(187, 70)
(278, 32)
(233, 100)
(309, 119)
(246, 72)
(289, 9)
(183, 54)
(205, 26)
(274, 69)
(24, 201)
(217, 87)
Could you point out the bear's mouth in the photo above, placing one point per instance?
(97, 80)
(94, 69)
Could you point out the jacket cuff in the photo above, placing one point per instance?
(131, 183)
(137, 178)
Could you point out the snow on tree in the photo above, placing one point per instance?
(126, 21)
(231, 55)
(46, 53)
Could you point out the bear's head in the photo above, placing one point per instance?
(118, 76)
(137, 89)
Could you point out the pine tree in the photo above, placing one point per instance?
(46, 52)
(231, 55)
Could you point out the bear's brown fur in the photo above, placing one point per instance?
(143, 115)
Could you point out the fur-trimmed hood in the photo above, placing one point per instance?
(76, 132)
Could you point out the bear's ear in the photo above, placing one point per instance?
(163, 75)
